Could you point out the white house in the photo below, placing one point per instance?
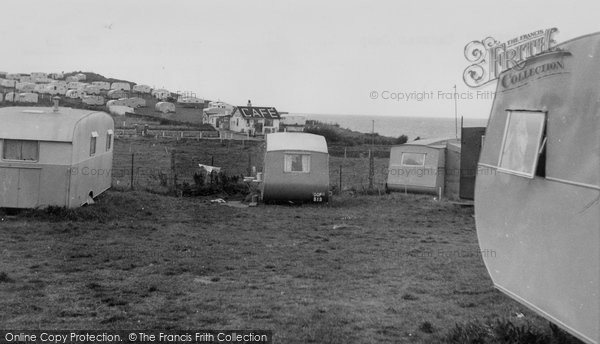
(161, 94)
(81, 76)
(254, 120)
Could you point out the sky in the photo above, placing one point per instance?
(331, 57)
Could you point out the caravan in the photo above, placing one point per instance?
(540, 209)
(50, 157)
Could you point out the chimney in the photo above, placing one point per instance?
(55, 101)
(249, 103)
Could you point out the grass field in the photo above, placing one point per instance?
(369, 269)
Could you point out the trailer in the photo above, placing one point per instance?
(296, 168)
(537, 207)
(54, 156)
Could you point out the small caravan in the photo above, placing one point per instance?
(27, 98)
(50, 157)
(164, 107)
(91, 90)
(102, 85)
(123, 86)
(116, 94)
(418, 166)
(142, 89)
(539, 211)
(8, 82)
(25, 86)
(296, 168)
(74, 94)
(93, 100)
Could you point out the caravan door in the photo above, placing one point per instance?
(19, 187)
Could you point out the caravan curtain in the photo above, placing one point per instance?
(297, 163)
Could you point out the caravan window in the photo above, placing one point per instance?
(21, 150)
(413, 159)
(522, 142)
(93, 140)
(109, 136)
(296, 163)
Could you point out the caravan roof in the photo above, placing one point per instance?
(431, 142)
(40, 124)
(296, 141)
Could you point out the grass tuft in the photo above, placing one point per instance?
(4, 278)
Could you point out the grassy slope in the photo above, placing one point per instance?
(146, 261)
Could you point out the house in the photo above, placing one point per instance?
(537, 205)
(296, 168)
(219, 118)
(254, 120)
(81, 76)
(292, 123)
(72, 78)
(161, 94)
(60, 157)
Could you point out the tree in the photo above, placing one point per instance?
(402, 139)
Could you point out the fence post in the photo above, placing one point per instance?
(371, 170)
(340, 179)
(132, 166)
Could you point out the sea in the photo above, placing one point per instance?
(394, 126)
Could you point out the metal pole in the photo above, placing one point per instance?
(456, 112)
(132, 164)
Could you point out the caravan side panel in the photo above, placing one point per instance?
(544, 230)
(91, 173)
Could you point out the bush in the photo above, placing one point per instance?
(402, 139)
(215, 184)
